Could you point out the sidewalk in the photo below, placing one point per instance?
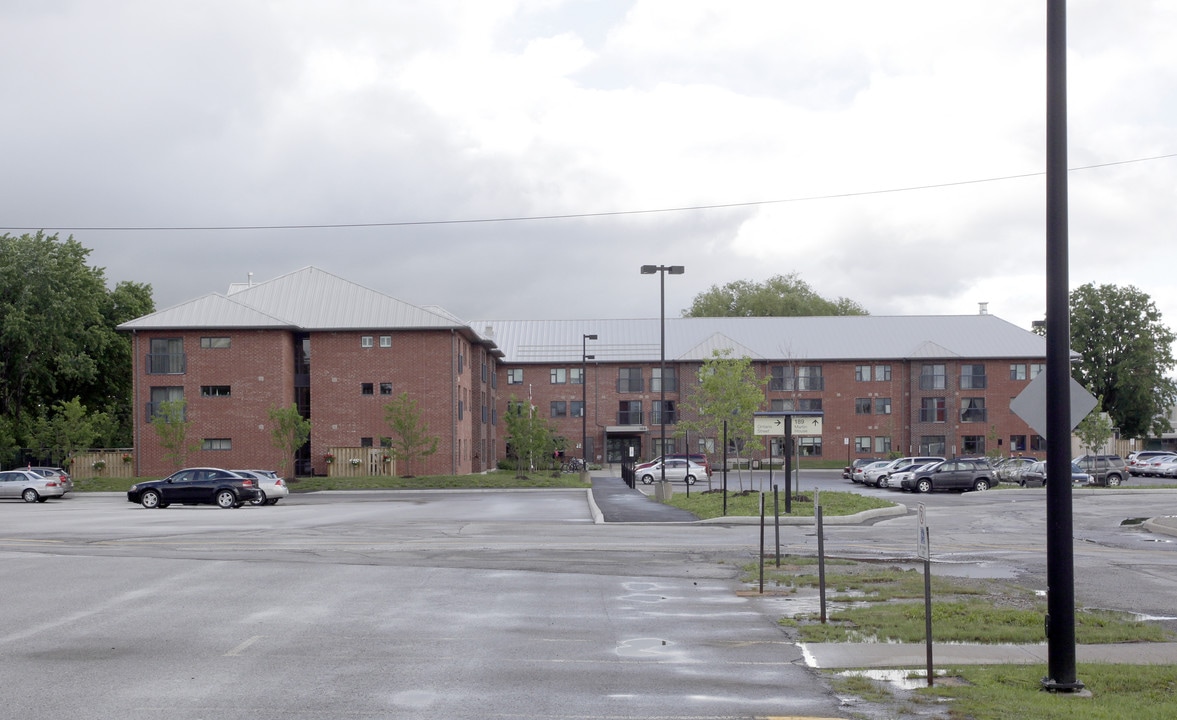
(894, 655)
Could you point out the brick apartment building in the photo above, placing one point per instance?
(340, 352)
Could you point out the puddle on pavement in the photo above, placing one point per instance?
(903, 679)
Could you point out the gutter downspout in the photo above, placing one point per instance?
(453, 404)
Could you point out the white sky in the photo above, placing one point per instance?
(164, 114)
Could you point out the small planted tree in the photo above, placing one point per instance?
(171, 425)
(1094, 430)
(729, 390)
(288, 432)
(410, 433)
(530, 440)
(68, 429)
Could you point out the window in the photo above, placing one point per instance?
(461, 409)
(385, 341)
(559, 408)
(629, 412)
(656, 416)
(862, 406)
(882, 373)
(483, 372)
(972, 377)
(629, 379)
(1017, 371)
(882, 406)
(972, 445)
(366, 389)
(783, 405)
(559, 376)
(1037, 444)
(811, 404)
(862, 444)
(160, 395)
(788, 378)
(972, 410)
(576, 408)
(1017, 443)
(576, 376)
(366, 442)
(214, 343)
(933, 410)
(216, 444)
(660, 449)
(882, 444)
(862, 373)
(385, 442)
(933, 445)
(366, 341)
(385, 388)
(461, 363)
(214, 391)
(809, 446)
(932, 377)
(166, 357)
(1036, 369)
(788, 404)
(516, 407)
(515, 376)
(656, 380)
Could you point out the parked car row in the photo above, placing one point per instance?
(30, 486)
(1152, 463)
(210, 486)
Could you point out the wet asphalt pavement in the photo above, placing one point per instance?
(621, 504)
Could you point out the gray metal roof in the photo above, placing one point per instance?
(856, 337)
(307, 299)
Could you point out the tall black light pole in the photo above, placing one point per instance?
(584, 398)
(662, 270)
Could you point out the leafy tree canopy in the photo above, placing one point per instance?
(728, 389)
(57, 335)
(410, 433)
(779, 296)
(1127, 353)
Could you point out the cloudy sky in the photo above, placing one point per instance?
(889, 152)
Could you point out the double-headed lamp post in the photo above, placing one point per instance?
(662, 270)
(584, 358)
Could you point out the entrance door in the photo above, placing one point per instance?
(623, 448)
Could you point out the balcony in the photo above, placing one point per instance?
(152, 409)
(629, 417)
(933, 382)
(167, 363)
(629, 385)
(932, 415)
(671, 385)
(656, 417)
(974, 415)
(972, 382)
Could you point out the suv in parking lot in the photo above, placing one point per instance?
(1107, 470)
(956, 474)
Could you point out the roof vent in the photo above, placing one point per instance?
(984, 308)
(488, 331)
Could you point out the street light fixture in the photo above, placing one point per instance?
(584, 398)
(662, 270)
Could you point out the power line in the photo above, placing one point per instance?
(573, 216)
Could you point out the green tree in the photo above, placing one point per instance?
(1126, 356)
(57, 333)
(410, 433)
(68, 429)
(530, 440)
(288, 432)
(1094, 430)
(779, 296)
(171, 426)
(728, 389)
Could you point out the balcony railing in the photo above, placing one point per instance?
(933, 382)
(801, 384)
(671, 385)
(152, 409)
(932, 415)
(167, 363)
(972, 382)
(629, 385)
(656, 417)
(629, 417)
(974, 415)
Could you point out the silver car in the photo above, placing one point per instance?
(62, 476)
(272, 487)
(676, 469)
(29, 486)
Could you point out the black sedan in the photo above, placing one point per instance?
(195, 486)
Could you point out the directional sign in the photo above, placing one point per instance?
(1030, 404)
(922, 547)
(768, 425)
(806, 425)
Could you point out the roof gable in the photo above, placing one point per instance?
(208, 311)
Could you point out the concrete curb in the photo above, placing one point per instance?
(855, 519)
(1166, 525)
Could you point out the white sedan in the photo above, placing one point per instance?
(676, 469)
(272, 487)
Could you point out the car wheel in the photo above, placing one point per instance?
(690, 479)
(647, 479)
(924, 485)
(259, 500)
(981, 484)
(30, 495)
(1114, 480)
(149, 499)
(883, 482)
(226, 499)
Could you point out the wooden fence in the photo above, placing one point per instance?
(117, 463)
(359, 462)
